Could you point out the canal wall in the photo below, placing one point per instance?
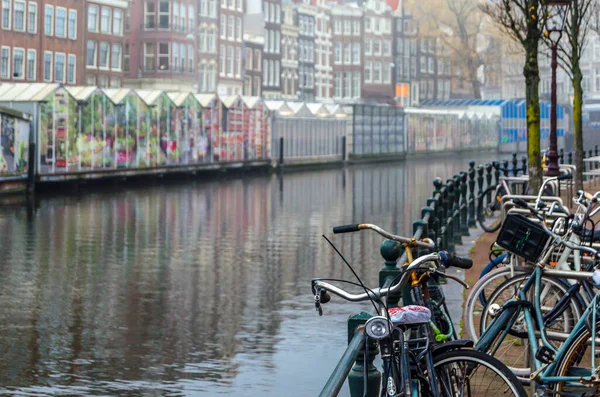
(52, 133)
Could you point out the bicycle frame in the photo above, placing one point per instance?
(512, 310)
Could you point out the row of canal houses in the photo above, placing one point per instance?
(88, 129)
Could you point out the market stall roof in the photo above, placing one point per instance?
(117, 95)
(26, 92)
(300, 109)
(318, 109)
(206, 100)
(251, 101)
(83, 93)
(230, 101)
(279, 107)
(336, 111)
(179, 98)
(150, 96)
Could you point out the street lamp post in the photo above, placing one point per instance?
(557, 13)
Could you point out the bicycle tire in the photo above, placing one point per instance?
(482, 207)
(474, 308)
(572, 358)
(510, 345)
(474, 360)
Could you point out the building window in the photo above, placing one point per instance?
(347, 27)
(347, 49)
(61, 22)
(6, 11)
(163, 56)
(73, 24)
(338, 85)
(191, 58)
(386, 74)
(386, 48)
(202, 78)
(377, 73)
(367, 24)
(230, 27)
(49, 21)
(115, 82)
(90, 80)
(32, 17)
(356, 28)
(105, 20)
(175, 57)
(265, 72)
(47, 66)
(182, 9)
(126, 58)
(91, 53)
(238, 29)
(149, 15)
(164, 14)
(367, 72)
(204, 8)
(212, 78)
(376, 47)
(347, 84)
(149, 57)
(5, 63)
(72, 72)
(104, 55)
(118, 22)
(337, 53)
(238, 61)
(356, 85)
(223, 26)
(367, 47)
(116, 57)
(356, 53)
(103, 81)
(18, 62)
(175, 17)
(93, 18)
(222, 60)
(191, 23)
(248, 64)
(229, 61)
(19, 16)
(257, 60)
(212, 8)
(31, 64)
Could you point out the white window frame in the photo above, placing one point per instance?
(51, 66)
(64, 36)
(175, 16)
(223, 26)
(51, 8)
(8, 62)
(34, 69)
(74, 57)
(191, 18)
(90, 7)
(356, 60)
(64, 76)
(23, 68)
(120, 68)
(95, 65)
(231, 28)
(109, 27)
(238, 29)
(108, 54)
(25, 9)
(32, 27)
(71, 12)
(147, 14)
(119, 31)
(190, 58)
(10, 12)
(369, 75)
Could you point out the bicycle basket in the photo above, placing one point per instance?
(523, 237)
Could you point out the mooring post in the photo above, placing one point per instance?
(356, 380)
(344, 148)
(281, 152)
(30, 190)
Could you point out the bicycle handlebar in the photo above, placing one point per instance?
(425, 243)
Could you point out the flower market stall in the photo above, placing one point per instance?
(209, 147)
(14, 144)
(160, 147)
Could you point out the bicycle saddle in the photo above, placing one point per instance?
(409, 315)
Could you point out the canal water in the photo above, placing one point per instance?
(193, 289)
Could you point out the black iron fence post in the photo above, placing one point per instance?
(514, 164)
(472, 222)
(450, 216)
(456, 211)
(464, 227)
(524, 165)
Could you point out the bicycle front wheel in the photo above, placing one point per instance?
(474, 373)
(489, 214)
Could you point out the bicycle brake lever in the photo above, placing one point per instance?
(318, 303)
(458, 280)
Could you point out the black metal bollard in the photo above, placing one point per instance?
(472, 222)
(570, 158)
(456, 210)
(344, 148)
(450, 215)
(488, 178)
(496, 166)
(281, 152)
(430, 225)
(561, 156)
(514, 164)
(524, 165)
(505, 165)
(464, 227)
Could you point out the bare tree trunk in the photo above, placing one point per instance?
(578, 126)
(532, 81)
(475, 84)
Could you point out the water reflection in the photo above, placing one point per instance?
(192, 289)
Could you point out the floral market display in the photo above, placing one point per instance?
(14, 145)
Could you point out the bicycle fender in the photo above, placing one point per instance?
(452, 345)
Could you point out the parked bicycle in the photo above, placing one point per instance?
(413, 364)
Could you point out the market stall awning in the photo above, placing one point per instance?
(118, 95)
(83, 93)
(206, 100)
(179, 98)
(25, 92)
(280, 108)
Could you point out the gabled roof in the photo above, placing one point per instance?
(83, 93)
(206, 100)
(251, 101)
(117, 95)
(25, 92)
(179, 98)
(150, 96)
(15, 113)
(318, 109)
(300, 109)
(279, 107)
(230, 101)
